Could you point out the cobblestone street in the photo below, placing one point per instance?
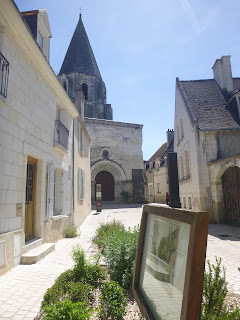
(23, 287)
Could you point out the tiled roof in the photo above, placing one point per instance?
(79, 56)
(159, 153)
(236, 84)
(206, 104)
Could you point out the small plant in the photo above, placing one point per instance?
(104, 232)
(80, 292)
(126, 195)
(214, 293)
(120, 254)
(71, 231)
(112, 301)
(68, 311)
(85, 271)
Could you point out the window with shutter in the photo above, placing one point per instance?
(81, 184)
(80, 138)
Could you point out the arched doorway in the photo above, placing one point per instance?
(106, 179)
(231, 195)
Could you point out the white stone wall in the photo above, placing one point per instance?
(188, 185)
(81, 160)
(123, 141)
(27, 120)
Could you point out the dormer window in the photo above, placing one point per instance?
(85, 90)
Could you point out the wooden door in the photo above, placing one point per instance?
(231, 195)
(29, 201)
(107, 181)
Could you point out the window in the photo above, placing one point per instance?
(81, 184)
(181, 128)
(187, 164)
(57, 192)
(80, 138)
(178, 137)
(184, 203)
(85, 90)
(40, 40)
(151, 190)
(65, 85)
(4, 72)
(189, 202)
(181, 167)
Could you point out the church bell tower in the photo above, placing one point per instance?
(79, 71)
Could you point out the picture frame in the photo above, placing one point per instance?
(170, 262)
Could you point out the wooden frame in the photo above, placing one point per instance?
(167, 282)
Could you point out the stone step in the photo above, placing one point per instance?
(32, 244)
(37, 254)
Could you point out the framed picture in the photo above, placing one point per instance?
(170, 261)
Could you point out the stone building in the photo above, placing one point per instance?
(156, 169)
(38, 144)
(207, 142)
(116, 147)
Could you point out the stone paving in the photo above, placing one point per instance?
(22, 288)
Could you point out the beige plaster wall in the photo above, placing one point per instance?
(81, 160)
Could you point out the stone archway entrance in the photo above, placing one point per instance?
(106, 179)
(231, 195)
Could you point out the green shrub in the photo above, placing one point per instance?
(214, 289)
(68, 311)
(214, 293)
(112, 301)
(105, 231)
(120, 254)
(80, 292)
(85, 271)
(60, 287)
(71, 231)
(126, 195)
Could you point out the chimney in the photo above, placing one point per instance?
(223, 74)
(79, 102)
(170, 137)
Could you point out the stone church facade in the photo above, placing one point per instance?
(116, 147)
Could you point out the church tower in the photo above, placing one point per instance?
(116, 147)
(79, 71)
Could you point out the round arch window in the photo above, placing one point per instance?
(105, 153)
(85, 90)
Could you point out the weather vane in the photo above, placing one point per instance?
(80, 14)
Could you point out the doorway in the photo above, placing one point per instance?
(30, 198)
(106, 180)
(231, 195)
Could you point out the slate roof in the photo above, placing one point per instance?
(79, 56)
(206, 104)
(159, 153)
(236, 84)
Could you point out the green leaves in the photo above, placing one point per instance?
(113, 301)
(120, 251)
(214, 293)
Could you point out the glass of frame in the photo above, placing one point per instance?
(170, 263)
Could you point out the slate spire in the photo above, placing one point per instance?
(79, 56)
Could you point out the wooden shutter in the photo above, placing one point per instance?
(50, 190)
(79, 183)
(83, 184)
(81, 135)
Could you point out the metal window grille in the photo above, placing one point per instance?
(61, 134)
(4, 71)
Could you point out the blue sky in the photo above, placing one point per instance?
(141, 46)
